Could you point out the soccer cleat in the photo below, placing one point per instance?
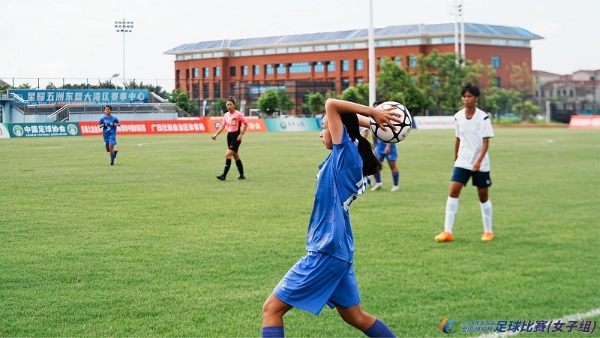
(376, 187)
(242, 177)
(111, 163)
(221, 177)
(395, 188)
(487, 236)
(444, 236)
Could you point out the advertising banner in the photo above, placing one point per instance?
(90, 128)
(4, 131)
(42, 129)
(96, 96)
(254, 123)
(292, 124)
(585, 122)
(433, 122)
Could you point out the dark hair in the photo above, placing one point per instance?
(109, 107)
(471, 89)
(376, 103)
(231, 99)
(371, 164)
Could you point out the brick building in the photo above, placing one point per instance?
(320, 62)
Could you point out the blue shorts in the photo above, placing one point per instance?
(110, 140)
(318, 279)
(381, 155)
(481, 179)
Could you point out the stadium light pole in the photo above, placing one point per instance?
(593, 78)
(372, 80)
(124, 26)
(456, 9)
(462, 33)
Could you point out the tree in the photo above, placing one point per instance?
(391, 80)
(182, 100)
(268, 102)
(527, 109)
(285, 103)
(218, 107)
(521, 81)
(315, 103)
(24, 86)
(352, 94)
(498, 100)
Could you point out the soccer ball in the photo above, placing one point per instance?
(400, 130)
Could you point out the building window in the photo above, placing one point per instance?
(412, 61)
(333, 47)
(383, 43)
(571, 93)
(294, 50)
(414, 41)
(281, 69)
(398, 61)
(177, 72)
(195, 91)
(217, 71)
(269, 69)
(300, 67)
(499, 42)
(270, 51)
(360, 45)
(345, 84)
(345, 65)
(358, 64)
(319, 67)
(448, 39)
(232, 71)
(331, 66)
(206, 72)
(196, 72)
(205, 90)
(306, 49)
(218, 54)
(497, 82)
(537, 93)
(495, 62)
(187, 73)
(244, 70)
(246, 53)
(345, 46)
(207, 55)
(359, 80)
(217, 90)
(256, 70)
(399, 42)
(187, 88)
(281, 50)
(436, 41)
(319, 48)
(258, 52)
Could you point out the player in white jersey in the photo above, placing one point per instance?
(473, 132)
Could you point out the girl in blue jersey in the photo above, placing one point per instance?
(109, 124)
(325, 275)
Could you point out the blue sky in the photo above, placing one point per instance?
(76, 39)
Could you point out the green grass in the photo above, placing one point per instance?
(157, 246)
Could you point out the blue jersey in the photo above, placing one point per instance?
(339, 182)
(108, 123)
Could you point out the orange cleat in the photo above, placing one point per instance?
(444, 236)
(487, 236)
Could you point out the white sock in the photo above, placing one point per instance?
(451, 210)
(486, 215)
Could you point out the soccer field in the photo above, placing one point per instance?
(157, 246)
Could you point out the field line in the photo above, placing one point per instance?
(576, 316)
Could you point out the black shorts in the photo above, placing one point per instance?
(232, 142)
(481, 179)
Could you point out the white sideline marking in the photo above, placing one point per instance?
(577, 316)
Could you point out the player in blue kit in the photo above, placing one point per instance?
(109, 124)
(383, 151)
(325, 275)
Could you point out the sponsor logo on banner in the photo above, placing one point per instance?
(292, 123)
(255, 124)
(42, 129)
(90, 128)
(585, 122)
(434, 122)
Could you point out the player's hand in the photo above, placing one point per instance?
(476, 166)
(239, 138)
(387, 149)
(387, 116)
(214, 137)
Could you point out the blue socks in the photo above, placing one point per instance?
(396, 177)
(377, 177)
(112, 156)
(273, 331)
(379, 329)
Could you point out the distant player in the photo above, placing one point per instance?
(325, 275)
(385, 151)
(236, 125)
(473, 132)
(109, 123)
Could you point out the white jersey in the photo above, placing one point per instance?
(471, 133)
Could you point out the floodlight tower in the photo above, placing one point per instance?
(124, 26)
(372, 76)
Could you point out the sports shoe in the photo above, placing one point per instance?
(221, 177)
(487, 236)
(111, 163)
(242, 177)
(395, 188)
(444, 236)
(376, 187)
